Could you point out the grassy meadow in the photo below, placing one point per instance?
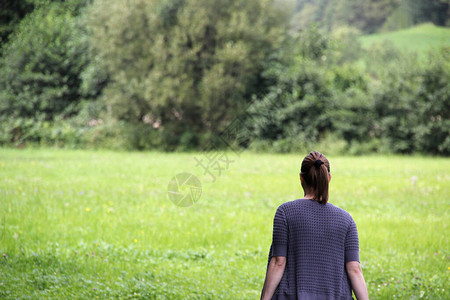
(418, 39)
(99, 224)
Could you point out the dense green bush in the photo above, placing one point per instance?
(42, 72)
(411, 102)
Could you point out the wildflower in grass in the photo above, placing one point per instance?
(4, 255)
(88, 209)
(135, 240)
(435, 253)
(93, 253)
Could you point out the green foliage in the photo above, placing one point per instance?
(393, 102)
(411, 102)
(11, 12)
(184, 64)
(172, 75)
(435, 11)
(42, 72)
(365, 15)
(316, 94)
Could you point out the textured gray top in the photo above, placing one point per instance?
(317, 240)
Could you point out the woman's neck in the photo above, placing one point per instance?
(308, 196)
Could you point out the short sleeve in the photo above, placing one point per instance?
(280, 234)
(352, 243)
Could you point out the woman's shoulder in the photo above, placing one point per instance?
(294, 203)
(340, 210)
(300, 204)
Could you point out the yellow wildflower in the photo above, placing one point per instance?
(88, 209)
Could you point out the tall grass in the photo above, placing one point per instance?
(89, 224)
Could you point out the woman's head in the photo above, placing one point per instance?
(315, 176)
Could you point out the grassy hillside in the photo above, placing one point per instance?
(98, 224)
(418, 39)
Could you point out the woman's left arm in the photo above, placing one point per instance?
(275, 271)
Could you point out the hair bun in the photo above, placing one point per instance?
(318, 163)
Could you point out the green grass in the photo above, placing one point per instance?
(415, 39)
(88, 224)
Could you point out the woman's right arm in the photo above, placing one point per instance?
(355, 274)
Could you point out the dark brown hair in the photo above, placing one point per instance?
(315, 171)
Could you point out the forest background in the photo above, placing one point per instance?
(180, 75)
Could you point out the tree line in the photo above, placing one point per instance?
(172, 75)
(370, 16)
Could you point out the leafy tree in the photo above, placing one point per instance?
(13, 11)
(297, 110)
(41, 71)
(184, 67)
